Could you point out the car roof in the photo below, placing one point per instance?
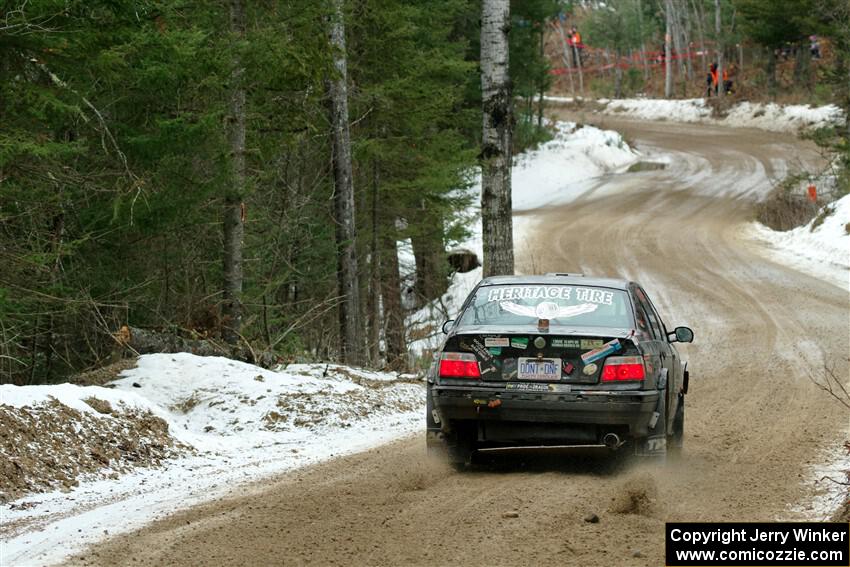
(557, 279)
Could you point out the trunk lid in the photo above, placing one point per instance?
(566, 356)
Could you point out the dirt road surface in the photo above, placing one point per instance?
(754, 419)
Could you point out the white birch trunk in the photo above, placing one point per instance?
(718, 25)
(350, 320)
(701, 31)
(579, 63)
(567, 57)
(496, 207)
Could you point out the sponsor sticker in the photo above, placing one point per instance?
(590, 343)
(540, 342)
(589, 369)
(560, 388)
(603, 351)
(520, 342)
(567, 343)
(496, 342)
(485, 370)
(523, 387)
(495, 351)
(567, 367)
(480, 350)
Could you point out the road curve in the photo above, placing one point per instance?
(754, 419)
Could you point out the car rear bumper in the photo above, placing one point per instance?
(597, 409)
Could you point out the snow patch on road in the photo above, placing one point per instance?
(822, 250)
(239, 423)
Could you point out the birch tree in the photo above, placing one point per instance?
(234, 207)
(567, 55)
(349, 291)
(497, 222)
(721, 87)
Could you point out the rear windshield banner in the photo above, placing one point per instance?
(583, 294)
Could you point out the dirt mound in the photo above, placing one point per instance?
(637, 495)
(104, 374)
(327, 407)
(52, 446)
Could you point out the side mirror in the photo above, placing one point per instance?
(447, 326)
(681, 335)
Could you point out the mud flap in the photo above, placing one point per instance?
(435, 439)
(655, 444)
(652, 447)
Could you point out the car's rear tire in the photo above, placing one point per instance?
(461, 446)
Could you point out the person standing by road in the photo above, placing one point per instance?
(711, 80)
(575, 40)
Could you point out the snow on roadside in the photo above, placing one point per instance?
(826, 480)
(822, 250)
(689, 110)
(556, 172)
(764, 116)
(238, 422)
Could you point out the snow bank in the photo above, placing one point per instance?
(554, 173)
(689, 110)
(237, 423)
(765, 116)
(557, 172)
(823, 250)
(778, 118)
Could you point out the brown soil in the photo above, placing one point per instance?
(53, 446)
(104, 374)
(754, 419)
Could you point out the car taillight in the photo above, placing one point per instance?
(618, 368)
(459, 365)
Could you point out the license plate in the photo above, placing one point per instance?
(548, 369)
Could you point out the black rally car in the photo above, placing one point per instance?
(557, 360)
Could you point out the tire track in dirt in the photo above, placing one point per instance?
(753, 423)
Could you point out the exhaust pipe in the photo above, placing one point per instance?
(612, 441)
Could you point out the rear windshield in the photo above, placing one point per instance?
(561, 304)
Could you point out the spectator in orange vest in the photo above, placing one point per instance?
(575, 41)
(576, 37)
(712, 81)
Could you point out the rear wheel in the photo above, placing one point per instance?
(461, 446)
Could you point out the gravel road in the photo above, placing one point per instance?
(755, 421)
